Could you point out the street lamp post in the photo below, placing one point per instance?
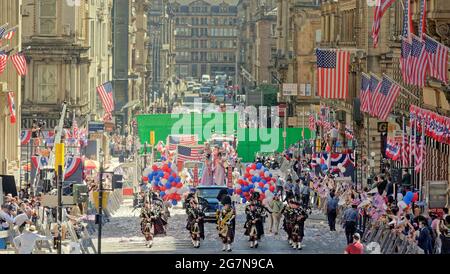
(100, 205)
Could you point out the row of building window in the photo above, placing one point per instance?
(203, 44)
(199, 32)
(204, 21)
(206, 56)
(205, 9)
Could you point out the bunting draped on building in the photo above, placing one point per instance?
(393, 150)
(436, 126)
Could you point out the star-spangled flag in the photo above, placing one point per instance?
(12, 107)
(420, 155)
(332, 73)
(10, 33)
(404, 57)
(407, 26)
(174, 140)
(418, 62)
(437, 56)
(423, 17)
(380, 9)
(312, 122)
(3, 60)
(364, 92)
(105, 91)
(190, 153)
(3, 30)
(388, 93)
(20, 63)
(375, 83)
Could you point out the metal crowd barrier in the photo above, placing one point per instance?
(390, 241)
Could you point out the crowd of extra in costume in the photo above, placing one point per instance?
(195, 211)
(226, 223)
(294, 222)
(153, 219)
(255, 216)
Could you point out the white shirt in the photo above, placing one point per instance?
(26, 241)
(334, 133)
(7, 218)
(21, 219)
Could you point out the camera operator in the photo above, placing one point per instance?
(36, 133)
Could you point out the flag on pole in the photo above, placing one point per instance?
(312, 122)
(405, 147)
(3, 60)
(3, 30)
(332, 73)
(418, 62)
(184, 140)
(364, 92)
(420, 154)
(437, 55)
(407, 21)
(388, 93)
(349, 132)
(8, 35)
(12, 107)
(375, 83)
(380, 8)
(189, 153)
(105, 91)
(404, 57)
(423, 18)
(20, 63)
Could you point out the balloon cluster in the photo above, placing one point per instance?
(409, 198)
(257, 178)
(166, 180)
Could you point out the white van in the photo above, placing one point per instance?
(206, 78)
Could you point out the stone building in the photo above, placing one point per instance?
(256, 40)
(205, 37)
(298, 34)
(10, 81)
(70, 55)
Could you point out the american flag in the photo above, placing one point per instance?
(75, 129)
(374, 86)
(20, 63)
(3, 60)
(174, 140)
(10, 33)
(364, 92)
(404, 57)
(348, 132)
(105, 91)
(12, 107)
(423, 17)
(405, 146)
(437, 55)
(332, 73)
(380, 9)
(388, 93)
(2, 30)
(420, 155)
(190, 153)
(312, 122)
(407, 26)
(418, 62)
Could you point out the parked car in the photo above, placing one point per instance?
(196, 88)
(205, 91)
(219, 94)
(210, 193)
(190, 85)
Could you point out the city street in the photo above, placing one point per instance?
(122, 235)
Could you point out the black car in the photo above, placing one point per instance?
(210, 193)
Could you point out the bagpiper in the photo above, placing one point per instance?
(288, 212)
(195, 221)
(226, 223)
(299, 217)
(153, 221)
(254, 225)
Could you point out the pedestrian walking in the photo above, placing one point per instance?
(356, 247)
(350, 219)
(332, 204)
(26, 242)
(276, 206)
